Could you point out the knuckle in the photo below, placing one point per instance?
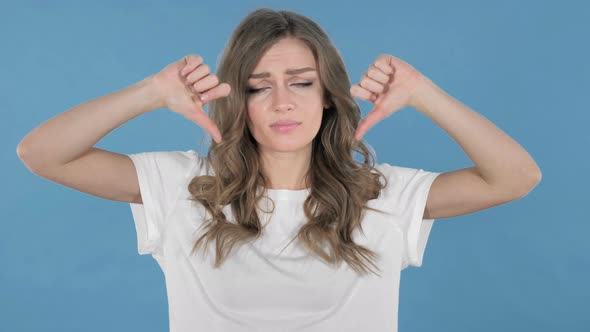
(190, 78)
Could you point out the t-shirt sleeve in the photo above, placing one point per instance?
(161, 176)
(405, 197)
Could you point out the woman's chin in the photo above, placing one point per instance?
(288, 144)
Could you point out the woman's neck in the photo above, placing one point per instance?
(286, 170)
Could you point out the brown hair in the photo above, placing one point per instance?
(340, 185)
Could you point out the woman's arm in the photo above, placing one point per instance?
(62, 149)
(73, 133)
(500, 161)
(503, 170)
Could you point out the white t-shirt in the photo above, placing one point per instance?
(260, 288)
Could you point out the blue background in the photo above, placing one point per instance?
(70, 262)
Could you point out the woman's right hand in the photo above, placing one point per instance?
(186, 86)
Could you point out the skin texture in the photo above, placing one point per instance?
(285, 157)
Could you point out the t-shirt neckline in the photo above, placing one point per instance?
(288, 194)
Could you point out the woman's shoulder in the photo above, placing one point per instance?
(396, 171)
(400, 176)
(191, 161)
(175, 162)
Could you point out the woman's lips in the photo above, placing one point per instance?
(286, 127)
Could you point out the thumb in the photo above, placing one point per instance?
(368, 122)
(198, 116)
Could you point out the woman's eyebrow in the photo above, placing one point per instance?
(288, 72)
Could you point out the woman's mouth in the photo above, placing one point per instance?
(284, 126)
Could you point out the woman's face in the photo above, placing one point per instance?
(285, 87)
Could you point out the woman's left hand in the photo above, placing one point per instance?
(389, 84)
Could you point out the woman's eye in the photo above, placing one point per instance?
(304, 84)
(253, 90)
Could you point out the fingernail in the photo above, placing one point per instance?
(204, 97)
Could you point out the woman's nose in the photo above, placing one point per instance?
(282, 99)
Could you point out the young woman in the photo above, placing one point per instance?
(293, 232)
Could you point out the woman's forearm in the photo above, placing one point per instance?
(500, 160)
(74, 132)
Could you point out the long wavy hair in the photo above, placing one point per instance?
(340, 185)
